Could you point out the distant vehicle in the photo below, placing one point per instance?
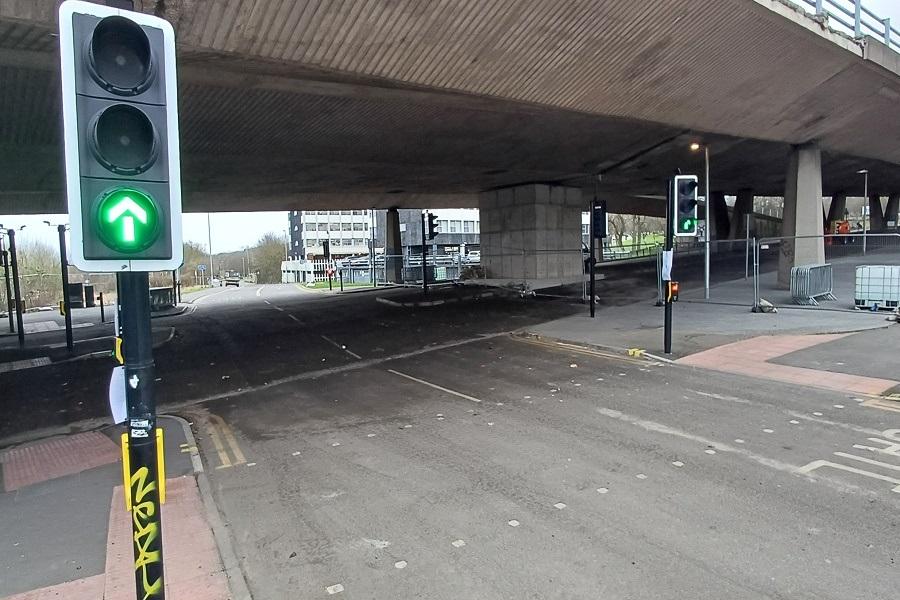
(474, 256)
(215, 282)
(235, 281)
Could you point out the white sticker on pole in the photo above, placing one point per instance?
(667, 256)
(117, 402)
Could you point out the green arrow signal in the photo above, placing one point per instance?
(128, 220)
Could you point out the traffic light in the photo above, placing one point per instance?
(120, 120)
(686, 205)
(600, 220)
(433, 229)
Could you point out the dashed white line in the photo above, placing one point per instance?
(294, 318)
(341, 347)
(434, 385)
(259, 291)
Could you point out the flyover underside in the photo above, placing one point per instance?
(362, 104)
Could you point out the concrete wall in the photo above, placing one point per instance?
(531, 232)
(802, 213)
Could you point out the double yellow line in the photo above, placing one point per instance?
(223, 439)
(563, 346)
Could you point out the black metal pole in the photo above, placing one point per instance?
(669, 244)
(9, 298)
(137, 344)
(424, 260)
(341, 277)
(64, 267)
(14, 259)
(102, 309)
(591, 259)
(174, 287)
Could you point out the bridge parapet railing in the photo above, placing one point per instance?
(855, 18)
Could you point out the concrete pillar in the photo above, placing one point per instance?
(743, 206)
(890, 212)
(718, 214)
(802, 213)
(531, 232)
(393, 248)
(876, 215)
(837, 209)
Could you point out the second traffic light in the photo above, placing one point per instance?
(121, 138)
(685, 200)
(433, 229)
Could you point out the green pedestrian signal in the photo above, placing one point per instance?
(127, 220)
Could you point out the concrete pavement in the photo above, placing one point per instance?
(66, 530)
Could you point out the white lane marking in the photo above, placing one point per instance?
(334, 589)
(341, 347)
(278, 308)
(848, 426)
(377, 544)
(363, 364)
(660, 428)
(768, 431)
(294, 318)
(433, 385)
(710, 451)
(602, 490)
(259, 291)
(678, 463)
(641, 476)
(400, 564)
(267, 302)
(560, 505)
(458, 543)
(202, 298)
(721, 397)
(513, 523)
(816, 464)
(868, 461)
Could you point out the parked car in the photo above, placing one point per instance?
(474, 256)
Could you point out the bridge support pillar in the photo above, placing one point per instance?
(802, 213)
(890, 212)
(838, 208)
(393, 247)
(531, 232)
(718, 215)
(876, 214)
(743, 206)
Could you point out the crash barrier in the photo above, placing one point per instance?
(161, 298)
(877, 286)
(810, 282)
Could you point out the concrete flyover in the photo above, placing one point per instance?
(302, 105)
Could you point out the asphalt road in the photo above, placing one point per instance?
(233, 338)
(502, 468)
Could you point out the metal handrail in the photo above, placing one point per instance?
(859, 20)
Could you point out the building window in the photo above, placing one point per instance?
(346, 212)
(311, 243)
(346, 227)
(454, 226)
(334, 212)
(334, 226)
(321, 212)
(296, 243)
(310, 227)
(335, 242)
(359, 212)
(358, 226)
(358, 242)
(584, 228)
(442, 225)
(322, 226)
(468, 226)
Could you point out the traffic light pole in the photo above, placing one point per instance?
(591, 259)
(9, 299)
(424, 259)
(14, 259)
(64, 266)
(668, 251)
(144, 483)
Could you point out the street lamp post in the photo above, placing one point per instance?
(16, 290)
(209, 237)
(707, 228)
(865, 174)
(4, 255)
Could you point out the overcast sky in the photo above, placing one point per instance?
(233, 231)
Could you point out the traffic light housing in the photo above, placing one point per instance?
(600, 220)
(433, 229)
(672, 291)
(686, 205)
(120, 118)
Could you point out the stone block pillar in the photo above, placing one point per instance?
(802, 213)
(393, 247)
(890, 212)
(743, 206)
(531, 232)
(876, 215)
